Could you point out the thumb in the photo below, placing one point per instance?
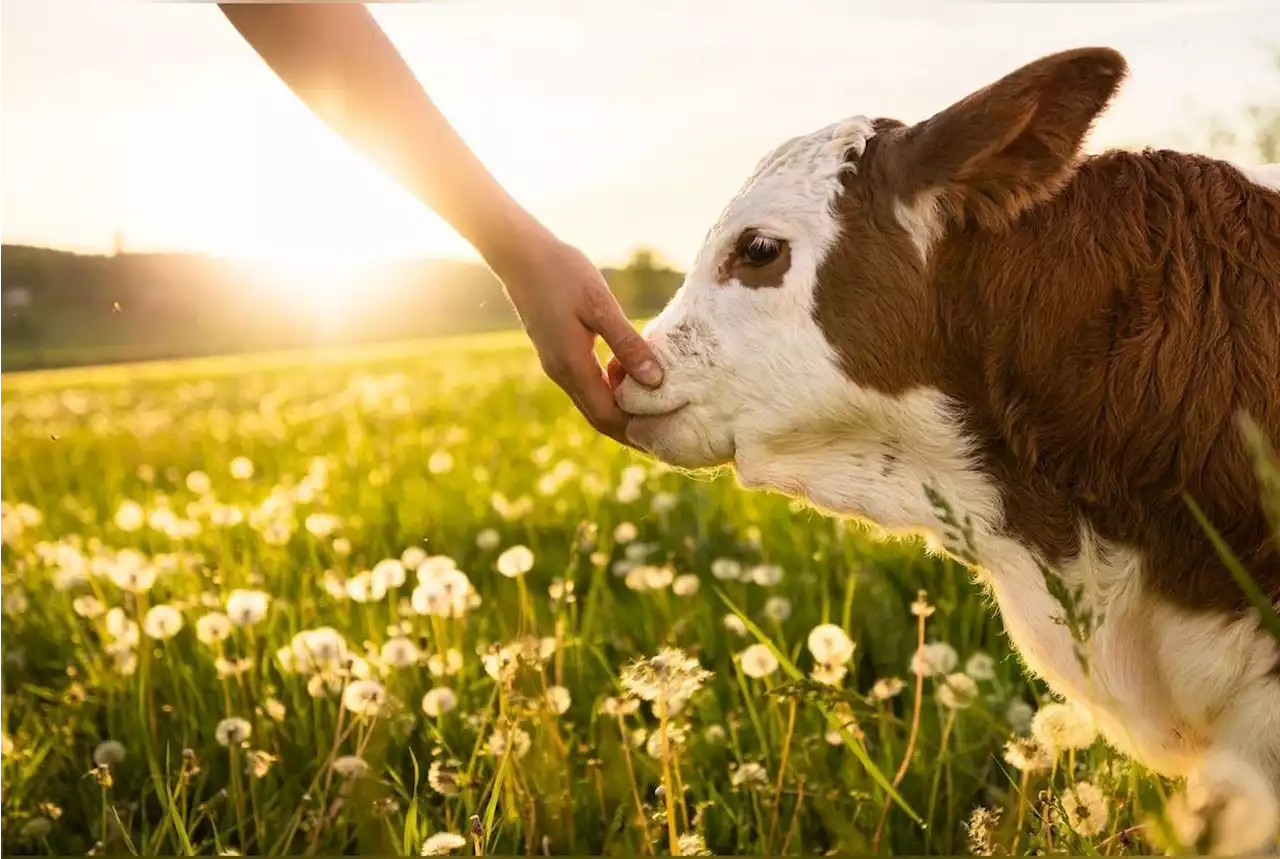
(631, 350)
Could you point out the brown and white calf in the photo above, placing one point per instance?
(1059, 346)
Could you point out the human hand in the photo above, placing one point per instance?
(564, 303)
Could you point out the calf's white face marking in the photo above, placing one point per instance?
(745, 365)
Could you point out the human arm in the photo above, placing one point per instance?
(341, 64)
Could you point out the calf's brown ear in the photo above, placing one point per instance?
(1010, 145)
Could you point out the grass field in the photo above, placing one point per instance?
(361, 602)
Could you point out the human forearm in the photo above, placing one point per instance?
(341, 64)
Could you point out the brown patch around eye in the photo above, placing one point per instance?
(757, 261)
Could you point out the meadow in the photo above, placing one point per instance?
(402, 600)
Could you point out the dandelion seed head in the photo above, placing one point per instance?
(692, 844)
(749, 775)
(246, 607)
(828, 675)
(981, 667)
(1060, 727)
(445, 665)
(130, 516)
(438, 701)
(241, 468)
(726, 569)
(669, 676)
(1086, 808)
(399, 652)
(365, 587)
(957, 691)
(442, 844)
(517, 739)
(766, 575)
(981, 828)
(1027, 755)
(390, 571)
(413, 557)
(258, 763)
(365, 698)
(88, 606)
(558, 700)
(685, 585)
(758, 661)
(213, 628)
(350, 766)
(1019, 714)
(676, 736)
(933, 660)
(885, 688)
(830, 645)
(777, 608)
(233, 731)
(162, 622)
(109, 753)
(515, 561)
(615, 707)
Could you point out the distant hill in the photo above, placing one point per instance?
(63, 308)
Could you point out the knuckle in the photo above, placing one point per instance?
(554, 366)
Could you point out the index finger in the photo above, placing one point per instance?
(590, 392)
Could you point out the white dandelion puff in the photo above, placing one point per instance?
(399, 652)
(933, 660)
(517, 739)
(350, 766)
(232, 731)
(670, 676)
(439, 701)
(213, 628)
(685, 585)
(442, 844)
(981, 667)
(558, 699)
(515, 562)
(749, 775)
(365, 697)
(1086, 808)
(162, 622)
(241, 468)
(1060, 727)
(109, 753)
(957, 691)
(758, 661)
(245, 607)
(830, 645)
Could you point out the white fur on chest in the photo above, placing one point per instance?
(1162, 684)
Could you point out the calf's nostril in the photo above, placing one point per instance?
(615, 372)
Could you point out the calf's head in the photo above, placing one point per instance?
(807, 314)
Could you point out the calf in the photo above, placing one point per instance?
(1059, 347)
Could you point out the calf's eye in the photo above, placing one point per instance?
(761, 250)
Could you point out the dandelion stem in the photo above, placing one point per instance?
(782, 769)
(668, 787)
(795, 818)
(631, 779)
(1022, 808)
(937, 773)
(911, 736)
(237, 792)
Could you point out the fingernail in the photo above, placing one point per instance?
(648, 373)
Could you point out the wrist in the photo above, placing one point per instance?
(514, 244)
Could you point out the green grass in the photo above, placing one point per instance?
(462, 449)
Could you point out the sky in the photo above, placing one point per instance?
(619, 124)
